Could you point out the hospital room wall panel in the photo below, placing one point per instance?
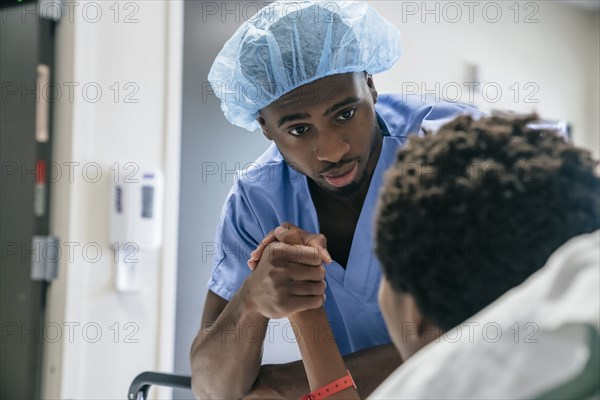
(108, 337)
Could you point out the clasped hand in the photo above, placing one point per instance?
(288, 273)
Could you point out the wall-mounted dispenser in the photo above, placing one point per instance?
(136, 218)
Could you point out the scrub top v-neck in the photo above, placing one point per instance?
(351, 303)
(271, 192)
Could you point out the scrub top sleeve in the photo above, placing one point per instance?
(407, 114)
(443, 112)
(238, 234)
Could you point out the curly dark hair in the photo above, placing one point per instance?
(472, 211)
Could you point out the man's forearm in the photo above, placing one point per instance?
(225, 360)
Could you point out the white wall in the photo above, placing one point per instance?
(109, 337)
(551, 53)
(592, 139)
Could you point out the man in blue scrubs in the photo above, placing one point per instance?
(302, 73)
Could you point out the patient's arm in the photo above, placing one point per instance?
(288, 381)
(321, 357)
(320, 354)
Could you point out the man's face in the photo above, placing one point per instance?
(327, 130)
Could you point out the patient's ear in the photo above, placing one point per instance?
(413, 315)
(408, 327)
(426, 331)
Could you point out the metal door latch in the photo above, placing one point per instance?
(44, 258)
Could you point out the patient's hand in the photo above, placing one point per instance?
(292, 235)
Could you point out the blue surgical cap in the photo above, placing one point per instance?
(291, 43)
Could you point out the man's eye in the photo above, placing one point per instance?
(346, 115)
(298, 131)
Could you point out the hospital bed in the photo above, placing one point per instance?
(138, 390)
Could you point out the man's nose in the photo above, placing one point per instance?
(331, 147)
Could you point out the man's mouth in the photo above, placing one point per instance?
(342, 176)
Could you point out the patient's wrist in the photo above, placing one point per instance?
(306, 316)
(338, 386)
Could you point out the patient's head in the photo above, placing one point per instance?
(471, 212)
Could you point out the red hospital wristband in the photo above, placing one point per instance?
(331, 388)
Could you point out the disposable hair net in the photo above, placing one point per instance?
(291, 43)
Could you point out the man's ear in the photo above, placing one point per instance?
(263, 125)
(371, 85)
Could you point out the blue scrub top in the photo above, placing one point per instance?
(270, 192)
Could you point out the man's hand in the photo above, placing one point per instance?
(287, 279)
(291, 234)
(288, 273)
